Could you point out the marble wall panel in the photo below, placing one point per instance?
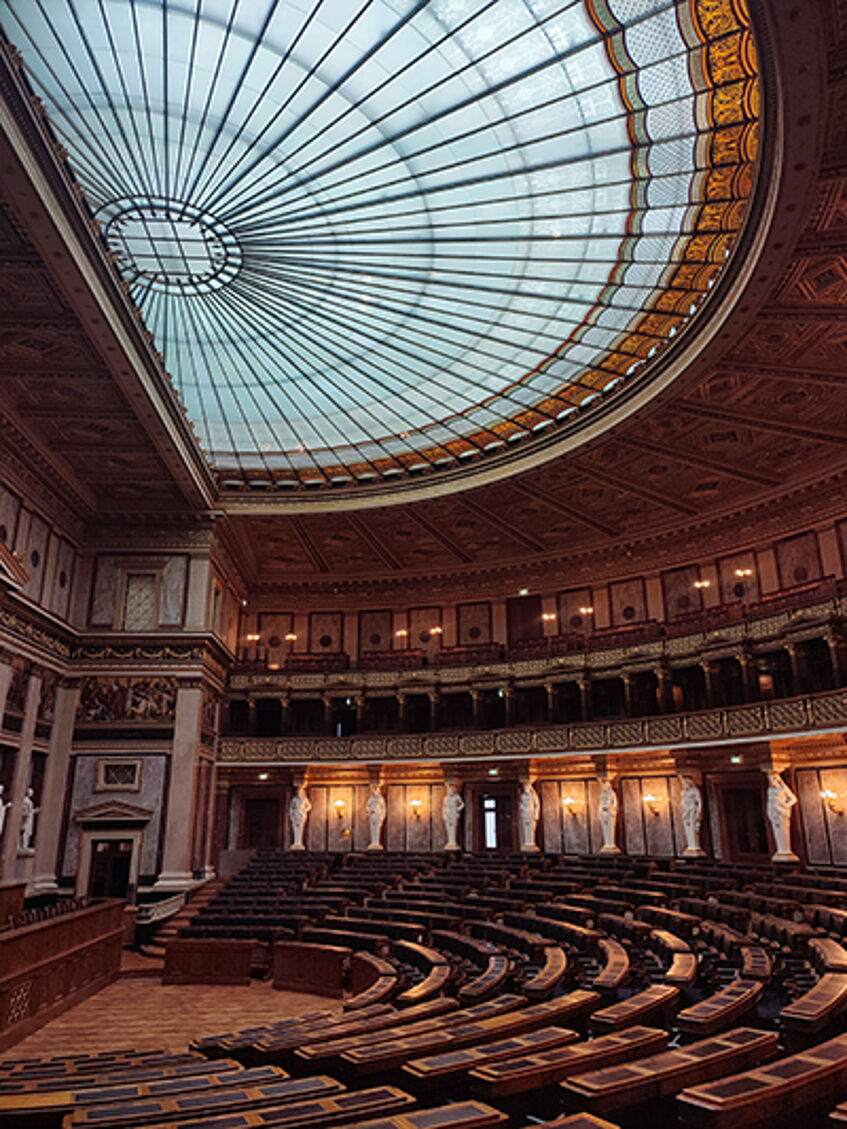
(570, 617)
(316, 827)
(798, 560)
(395, 822)
(340, 830)
(104, 592)
(474, 624)
(361, 827)
(35, 556)
(658, 828)
(172, 601)
(575, 819)
(60, 594)
(814, 815)
(835, 780)
(679, 840)
(632, 811)
(681, 597)
(326, 632)
(627, 602)
(376, 632)
(10, 508)
(418, 836)
(421, 622)
(551, 815)
(734, 587)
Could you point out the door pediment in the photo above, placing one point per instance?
(113, 811)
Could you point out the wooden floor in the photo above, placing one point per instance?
(139, 1012)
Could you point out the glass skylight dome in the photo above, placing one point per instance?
(374, 236)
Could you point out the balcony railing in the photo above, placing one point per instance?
(826, 711)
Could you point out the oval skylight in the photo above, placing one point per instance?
(370, 235)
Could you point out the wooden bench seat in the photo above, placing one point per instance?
(542, 985)
(377, 1058)
(576, 1121)
(278, 1048)
(756, 963)
(117, 1107)
(661, 1075)
(789, 1088)
(456, 1115)
(816, 1009)
(363, 920)
(321, 1051)
(615, 968)
(61, 1065)
(722, 1009)
(440, 1067)
(655, 1004)
(520, 940)
(490, 980)
(372, 981)
(110, 1070)
(827, 955)
(380, 946)
(531, 1072)
(337, 1109)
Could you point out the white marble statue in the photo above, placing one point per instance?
(375, 807)
(530, 811)
(4, 807)
(780, 802)
(298, 813)
(607, 813)
(692, 817)
(28, 812)
(451, 809)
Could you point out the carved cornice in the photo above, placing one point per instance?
(738, 724)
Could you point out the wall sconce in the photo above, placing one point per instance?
(699, 584)
(415, 808)
(402, 633)
(587, 610)
(832, 801)
(570, 805)
(339, 808)
(742, 572)
(548, 617)
(290, 637)
(651, 803)
(253, 637)
(264, 775)
(437, 630)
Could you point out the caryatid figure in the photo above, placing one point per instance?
(376, 809)
(607, 813)
(780, 802)
(692, 817)
(298, 813)
(530, 811)
(28, 813)
(451, 809)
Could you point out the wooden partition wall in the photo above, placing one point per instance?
(52, 965)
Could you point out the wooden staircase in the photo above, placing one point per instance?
(197, 900)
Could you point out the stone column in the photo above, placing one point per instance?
(476, 697)
(550, 691)
(626, 678)
(509, 704)
(434, 703)
(664, 691)
(16, 863)
(713, 689)
(176, 856)
(327, 704)
(838, 656)
(798, 668)
(585, 698)
(749, 675)
(55, 786)
(5, 680)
